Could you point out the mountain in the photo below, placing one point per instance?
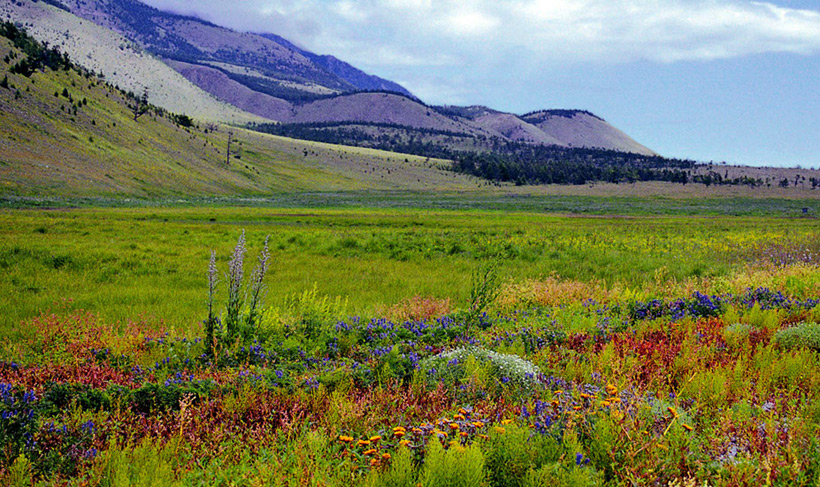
(193, 40)
(65, 132)
(354, 76)
(122, 62)
(264, 77)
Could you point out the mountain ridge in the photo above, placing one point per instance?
(270, 77)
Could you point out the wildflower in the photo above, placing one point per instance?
(458, 417)
(464, 434)
(687, 427)
(558, 392)
(345, 439)
(369, 452)
(462, 411)
(398, 433)
(672, 411)
(374, 462)
(586, 396)
(580, 460)
(478, 424)
(605, 404)
(399, 428)
(506, 421)
(500, 430)
(416, 430)
(454, 426)
(376, 438)
(577, 408)
(363, 443)
(385, 456)
(483, 437)
(611, 390)
(404, 442)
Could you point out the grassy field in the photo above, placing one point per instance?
(405, 346)
(124, 263)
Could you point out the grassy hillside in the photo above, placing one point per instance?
(66, 133)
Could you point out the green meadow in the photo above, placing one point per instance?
(129, 263)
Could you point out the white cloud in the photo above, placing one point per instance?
(419, 40)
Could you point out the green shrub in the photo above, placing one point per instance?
(20, 473)
(144, 465)
(803, 335)
(457, 467)
(736, 334)
(400, 473)
(154, 397)
(556, 475)
(511, 453)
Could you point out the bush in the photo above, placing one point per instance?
(737, 334)
(803, 335)
(509, 371)
(457, 467)
(512, 453)
(556, 475)
(144, 465)
(400, 473)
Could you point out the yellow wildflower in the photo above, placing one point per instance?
(385, 456)
(369, 452)
(404, 442)
(611, 389)
(345, 439)
(363, 442)
(506, 421)
(398, 434)
(500, 430)
(453, 426)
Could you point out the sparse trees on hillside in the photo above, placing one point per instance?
(139, 106)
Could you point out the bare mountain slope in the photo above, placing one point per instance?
(379, 108)
(515, 129)
(576, 128)
(194, 40)
(223, 87)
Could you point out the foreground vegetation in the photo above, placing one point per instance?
(398, 347)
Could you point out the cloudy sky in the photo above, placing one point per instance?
(723, 80)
